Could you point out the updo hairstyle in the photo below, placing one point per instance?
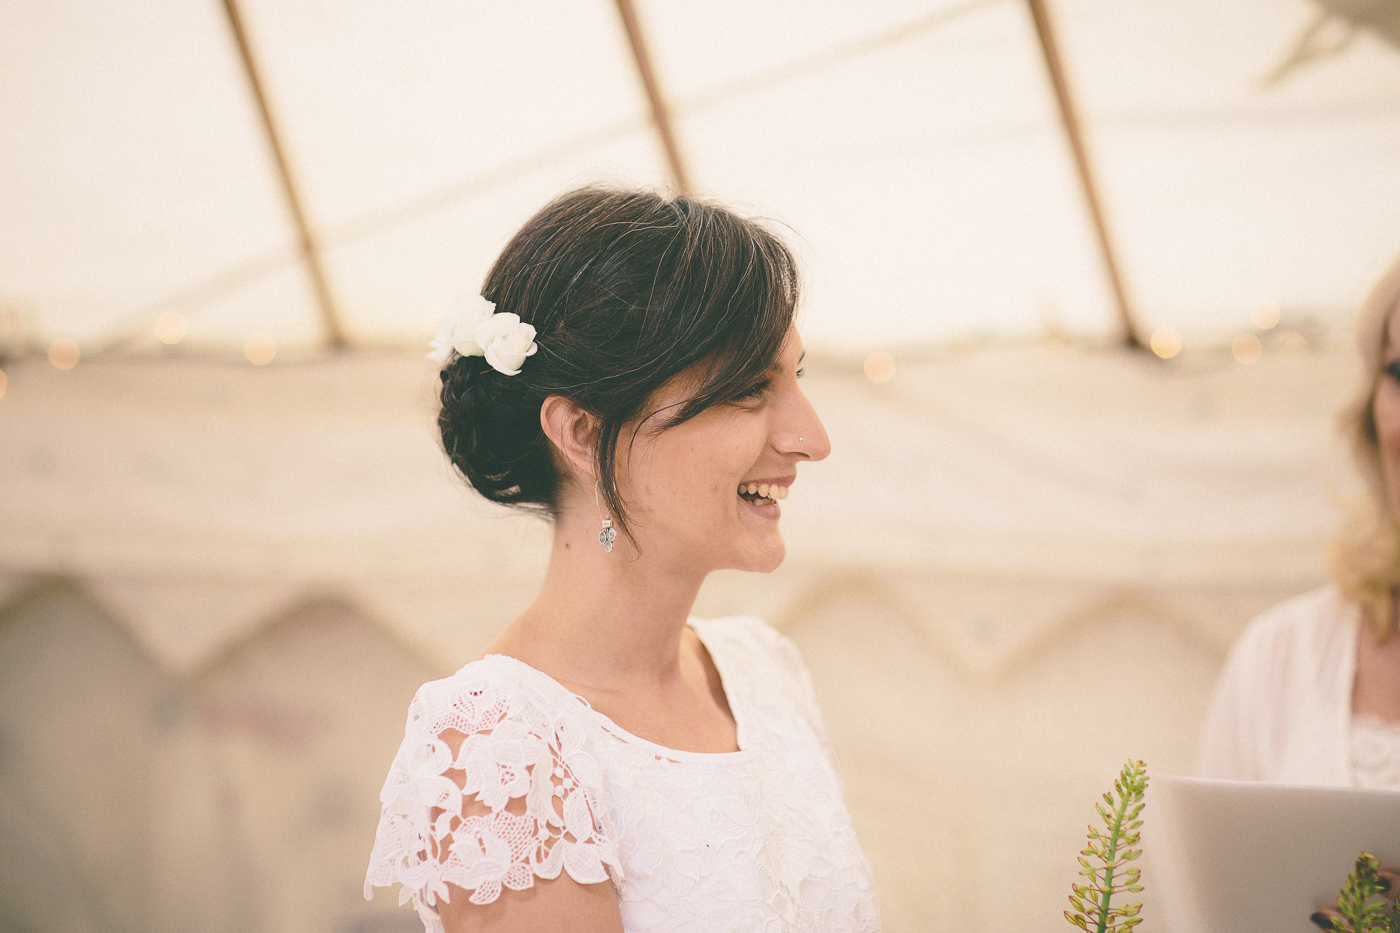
(626, 290)
(1365, 556)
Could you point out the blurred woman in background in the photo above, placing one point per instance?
(1311, 692)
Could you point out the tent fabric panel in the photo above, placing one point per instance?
(132, 162)
(913, 149)
(1097, 469)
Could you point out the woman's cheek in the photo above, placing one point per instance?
(1386, 412)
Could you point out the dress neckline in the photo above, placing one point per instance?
(606, 723)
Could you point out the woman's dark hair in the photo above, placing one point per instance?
(625, 289)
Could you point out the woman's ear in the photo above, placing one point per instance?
(573, 432)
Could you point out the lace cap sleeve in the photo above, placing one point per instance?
(488, 790)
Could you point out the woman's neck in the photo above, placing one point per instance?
(603, 621)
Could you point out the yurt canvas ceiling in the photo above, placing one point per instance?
(1247, 152)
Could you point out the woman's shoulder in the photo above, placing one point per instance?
(1312, 624)
(491, 690)
(495, 732)
(1306, 641)
(1279, 706)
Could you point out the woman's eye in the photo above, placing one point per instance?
(801, 371)
(752, 393)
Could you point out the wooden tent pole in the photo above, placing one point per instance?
(310, 247)
(1069, 116)
(660, 111)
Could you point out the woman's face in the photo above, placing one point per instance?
(705, 495)
(1386, 410)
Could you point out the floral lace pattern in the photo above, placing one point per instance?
(1375, 752)
(486, 791)
(505, 776)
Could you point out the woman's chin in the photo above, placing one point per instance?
(766, 559)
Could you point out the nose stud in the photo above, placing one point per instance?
(801, 439)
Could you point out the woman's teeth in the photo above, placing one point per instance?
(764, 490)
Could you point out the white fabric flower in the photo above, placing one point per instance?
(505, 342)
(457, 329)
(472, 328)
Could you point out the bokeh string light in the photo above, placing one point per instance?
(1266, 316)
(260, 349)
(879, 367)
(170, 328)
(1291, 342)
(1165, 342)
(1247, 348)
(64, 353)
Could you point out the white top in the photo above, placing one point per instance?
(504, 775)
(1281, 711)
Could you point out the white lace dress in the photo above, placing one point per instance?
(1375, 752)
(505, 776)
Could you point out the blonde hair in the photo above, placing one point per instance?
(1365, 556)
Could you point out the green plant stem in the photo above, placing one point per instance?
(1092, 903)
(1115, 832)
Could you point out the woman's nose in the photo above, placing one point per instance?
(802, 432)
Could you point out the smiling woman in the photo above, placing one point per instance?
(610, 763)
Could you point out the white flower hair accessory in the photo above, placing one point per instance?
(473, 328)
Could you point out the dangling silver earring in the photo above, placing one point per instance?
(608, 535)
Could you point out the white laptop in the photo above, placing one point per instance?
(1239, 856)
